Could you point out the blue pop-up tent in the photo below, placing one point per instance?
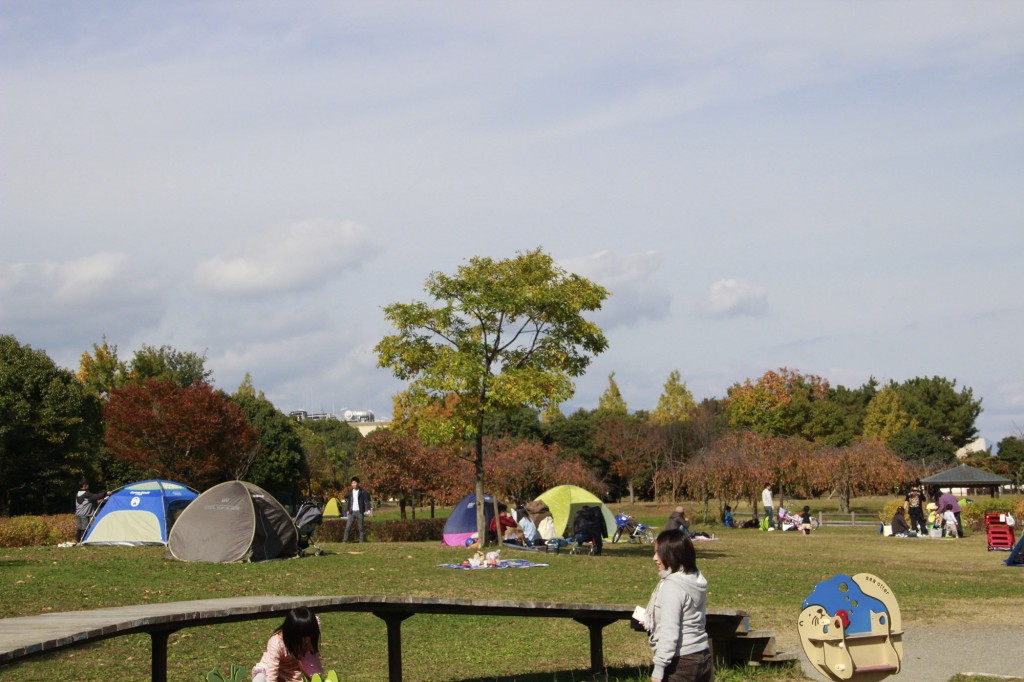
(461, 524)
(139, 513)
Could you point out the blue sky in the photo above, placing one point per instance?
(831, 187)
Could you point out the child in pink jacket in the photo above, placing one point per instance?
(293, 651)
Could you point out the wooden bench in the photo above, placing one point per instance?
(29, 636)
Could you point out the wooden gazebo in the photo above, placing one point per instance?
(965, 476)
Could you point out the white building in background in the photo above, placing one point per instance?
(363, 421)
(971, 448)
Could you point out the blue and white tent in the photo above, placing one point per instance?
(140, 513)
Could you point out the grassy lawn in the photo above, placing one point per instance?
(766, 574)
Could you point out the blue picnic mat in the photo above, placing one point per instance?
(502, 563)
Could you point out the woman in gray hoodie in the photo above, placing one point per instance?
(677, 612)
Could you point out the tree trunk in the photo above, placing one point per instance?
(631, 496)
(478, 464)
(401, 506)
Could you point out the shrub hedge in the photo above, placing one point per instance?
(973, 513)
(24, 531)
(410, 530)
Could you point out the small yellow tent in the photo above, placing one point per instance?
(564, 500)
(333, 509)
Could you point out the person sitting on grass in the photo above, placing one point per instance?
(510, 530)
(529, 530)
(677, 521)
(293, 651)
(899, 523)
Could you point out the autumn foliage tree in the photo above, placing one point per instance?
(865, 468)
(394, 465)
(192, 434)
(626, 443)
(779, 403)
(520, 470)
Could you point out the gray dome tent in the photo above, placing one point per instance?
(233, 521)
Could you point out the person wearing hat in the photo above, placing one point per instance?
(914, 504)
(85, 507)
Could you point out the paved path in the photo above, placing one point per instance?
(934, 653)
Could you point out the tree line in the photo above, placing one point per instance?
(159, 415)
(488, 360)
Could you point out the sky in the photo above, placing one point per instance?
(832, 187)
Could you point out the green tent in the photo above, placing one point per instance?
(564, 500)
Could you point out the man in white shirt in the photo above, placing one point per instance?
(358, 504)
(766, 502)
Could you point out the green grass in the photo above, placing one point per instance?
(766, 574)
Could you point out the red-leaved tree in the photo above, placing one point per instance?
(194, 435)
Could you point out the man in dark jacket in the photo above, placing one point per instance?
(677, 521)
(358, 501)
(589, 524)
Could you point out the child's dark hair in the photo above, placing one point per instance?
(807, 508)
(299, 624)
(676, 551)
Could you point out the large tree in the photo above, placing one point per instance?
(192, 434)
(676, 402)
(168, 364)
(276, 461)
(49, 431)
(498, 334)
(779, 403)
(329, 445)
(611, 401)
(938, 407)
(101, 371)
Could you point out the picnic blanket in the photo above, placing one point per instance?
(502, 563)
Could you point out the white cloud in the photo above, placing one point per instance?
(633, 281)
(103, 284)
(63, 306)
(303, 256)
(732, 297)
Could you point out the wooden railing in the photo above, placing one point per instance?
(29, 636)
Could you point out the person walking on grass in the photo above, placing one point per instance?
(358, 501)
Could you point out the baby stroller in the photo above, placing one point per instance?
(791, 521)
(632, 529)
(308, 518)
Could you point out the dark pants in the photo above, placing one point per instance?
(81, 525)
(917, 521)
(357, 518)
(959, 525)
(691, 668)
(582, 538)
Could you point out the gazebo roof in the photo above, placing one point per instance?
(964, 475)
